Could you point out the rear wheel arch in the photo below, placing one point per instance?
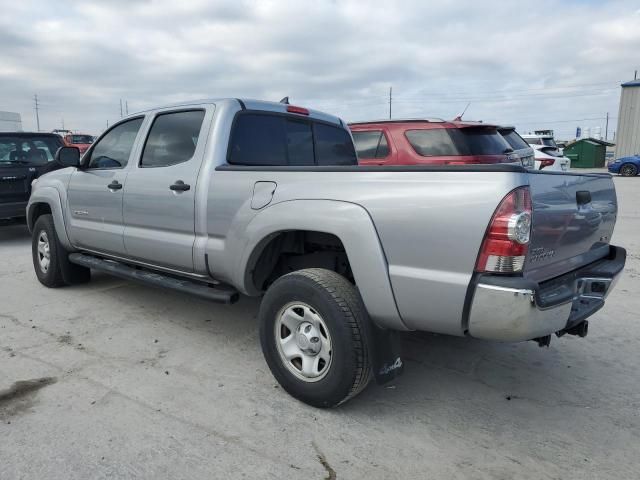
(283, 252)
(344, 227)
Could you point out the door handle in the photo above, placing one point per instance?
(180, 186)
(115, 185)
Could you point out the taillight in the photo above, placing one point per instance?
(299, 110)
(506, 242)
(547, 162)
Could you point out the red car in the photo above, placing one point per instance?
(79, 140)
(432, 142)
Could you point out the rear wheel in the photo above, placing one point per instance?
(50, 260)
(313, 336)
(628, 170)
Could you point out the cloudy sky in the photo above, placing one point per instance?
(535, 64)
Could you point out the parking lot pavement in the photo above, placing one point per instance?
(117, 380)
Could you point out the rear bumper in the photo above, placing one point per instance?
(514, 309)
(13, 210)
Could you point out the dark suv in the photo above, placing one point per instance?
(431, 142)
(23, 158)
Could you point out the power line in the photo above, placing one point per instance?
(502, 98)
(479, 96)
(510, 91)
(526, 122)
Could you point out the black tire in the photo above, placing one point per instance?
(628, 170)
(60, 271)
(339, 304)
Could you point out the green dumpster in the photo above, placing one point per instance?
(587, 153)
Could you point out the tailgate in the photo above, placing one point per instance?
(573, 219)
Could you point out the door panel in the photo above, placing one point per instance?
(95, 211)
(95, 190)
(159, 199)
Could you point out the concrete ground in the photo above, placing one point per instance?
(117, 380)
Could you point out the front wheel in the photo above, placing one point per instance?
(314, 338)
(628, 170)
(50, 261)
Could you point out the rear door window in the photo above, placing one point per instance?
(172, 139)
(334, 146)
(370, 145)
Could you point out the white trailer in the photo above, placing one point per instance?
(10, 122)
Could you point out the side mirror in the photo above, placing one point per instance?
(68, 156)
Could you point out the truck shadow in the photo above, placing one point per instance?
(470, 373)
(441, 372)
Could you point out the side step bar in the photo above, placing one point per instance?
(218, 293)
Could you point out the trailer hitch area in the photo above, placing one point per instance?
(580, 330)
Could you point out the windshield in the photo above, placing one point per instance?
(32, 150)
(513, 139)
(81, 139)
(549, 142)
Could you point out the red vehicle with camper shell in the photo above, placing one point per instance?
(431, 142)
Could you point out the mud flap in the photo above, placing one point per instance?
(387, 362)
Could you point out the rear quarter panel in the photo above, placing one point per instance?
(430, 226)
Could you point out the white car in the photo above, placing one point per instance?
(547, 154)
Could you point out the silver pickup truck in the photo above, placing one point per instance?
(222, 197)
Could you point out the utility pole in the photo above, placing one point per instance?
(126, 106)
(606, 128)
(62, 123)
(390, 100)
(35, 99)
(120, 108)
(635, 75)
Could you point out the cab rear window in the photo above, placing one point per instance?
(457, 142)
(264, 139)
